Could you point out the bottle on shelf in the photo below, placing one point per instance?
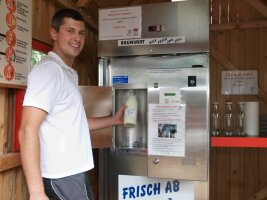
(130, 113)
(215, 129)
(239, 128)
(228, 120)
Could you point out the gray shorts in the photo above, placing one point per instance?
(75, 187)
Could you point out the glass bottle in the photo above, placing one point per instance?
(130, 113)
(215, 120)
(240, 119)
(228, 120)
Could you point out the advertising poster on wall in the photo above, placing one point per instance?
(15, 41)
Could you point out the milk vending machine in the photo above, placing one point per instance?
(160, 54)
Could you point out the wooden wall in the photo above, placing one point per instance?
(238, 41)
(12, 181)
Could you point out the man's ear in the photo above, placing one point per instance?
(53, 33)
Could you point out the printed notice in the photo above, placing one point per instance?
(166, 129)
(242, 82)
(144, 188)
(120, 23)
(15, 41)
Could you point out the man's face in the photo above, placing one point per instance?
(69, 40)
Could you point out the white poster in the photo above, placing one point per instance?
(166, 129)
(15, 41)
(120, 23)
(241, 82)
(144, 188)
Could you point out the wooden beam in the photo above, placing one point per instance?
(83, 3)
(89, 20)
(3, 120)
(3, 85)
(261, 194)
(9, 161)
(222, 60)
(231, 26)
(259, 6)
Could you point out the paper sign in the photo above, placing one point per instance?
(166, 129)
(120, 23)
(242, 82)
(15, 41)
(144, 188)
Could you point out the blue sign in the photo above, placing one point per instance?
(119, 79)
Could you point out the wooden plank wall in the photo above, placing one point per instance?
(42, 13)
(12, 181)
(238, 41)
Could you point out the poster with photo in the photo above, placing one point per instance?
(166, 129)
(15, 41)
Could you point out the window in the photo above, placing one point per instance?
(36, 57)
(39, 50)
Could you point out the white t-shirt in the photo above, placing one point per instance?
(64, 134)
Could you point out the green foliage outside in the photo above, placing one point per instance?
(36, 57)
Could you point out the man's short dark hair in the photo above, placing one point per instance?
(59, 16)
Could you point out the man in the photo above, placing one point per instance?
(54, 133)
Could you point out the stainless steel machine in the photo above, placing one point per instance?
(161, 52)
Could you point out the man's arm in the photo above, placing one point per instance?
(30, 150)
(103, 122)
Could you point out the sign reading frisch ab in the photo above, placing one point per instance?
(144, 188)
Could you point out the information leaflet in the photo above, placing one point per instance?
(166, 130)
(15, 41)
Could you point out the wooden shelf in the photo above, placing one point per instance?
(9, 161)
(253, 142)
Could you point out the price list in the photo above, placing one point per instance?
(15, 41)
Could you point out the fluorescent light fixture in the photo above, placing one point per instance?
(178, 0)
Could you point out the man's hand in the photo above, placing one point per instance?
(119, 116)
(104, 122)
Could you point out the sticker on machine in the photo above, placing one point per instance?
(145, 188)
(152, 41)
(119, 79)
